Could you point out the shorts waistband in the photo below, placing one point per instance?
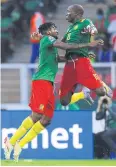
(72, 60)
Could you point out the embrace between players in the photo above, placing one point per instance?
(77, 70)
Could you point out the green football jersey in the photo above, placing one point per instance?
(74, 35)
(48, 64)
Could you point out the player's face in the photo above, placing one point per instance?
(70, 16)
(54, 32)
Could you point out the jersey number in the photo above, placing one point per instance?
(96, 76)
(68, 36)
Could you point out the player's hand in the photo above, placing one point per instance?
(36, 36)
(96, 43)
(92, 55)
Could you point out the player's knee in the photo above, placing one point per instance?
(35, 116)
(64, 102)
(101, 91)
(66, 99)
(45, 121)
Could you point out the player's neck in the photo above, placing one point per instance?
(76, 20)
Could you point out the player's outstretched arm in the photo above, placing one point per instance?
(65, 46)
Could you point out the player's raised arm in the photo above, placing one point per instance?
(65, 46)
(36, 36)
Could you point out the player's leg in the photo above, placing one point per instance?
(104, 90)
(68, 84)
(89, 78)
(35, 130)
(31, 134)
(24, 127)
(46, 109)
(83, 95)
(109, 92)
(94, 83)
(66, 99)
(21, 131)
(72, 97)
(40, 124)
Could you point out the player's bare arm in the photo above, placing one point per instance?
(65, 46)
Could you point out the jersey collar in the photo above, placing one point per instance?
(78, 21)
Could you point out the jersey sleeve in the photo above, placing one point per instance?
(90, 26)
(49, 41)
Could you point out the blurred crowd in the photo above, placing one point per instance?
(106, 25)
(15, 20)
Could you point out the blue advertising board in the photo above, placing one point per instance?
(68, 137)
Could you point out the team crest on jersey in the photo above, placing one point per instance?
(41, 107)
(76, 27)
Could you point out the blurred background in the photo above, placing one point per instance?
(19, 54)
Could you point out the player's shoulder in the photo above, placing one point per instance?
(50, 38)
(87, 21)
(44, 38)
(47, 38)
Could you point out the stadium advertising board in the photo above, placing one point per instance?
(68, 137)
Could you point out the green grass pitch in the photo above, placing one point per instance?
(59, 163)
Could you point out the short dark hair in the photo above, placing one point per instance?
(45, 27)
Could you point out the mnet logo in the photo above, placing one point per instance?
(58, 138)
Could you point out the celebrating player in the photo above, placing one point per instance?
(78, 69)
(42, 96)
